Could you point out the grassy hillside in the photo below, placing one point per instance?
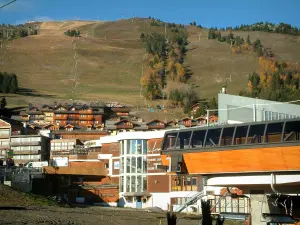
(109, 60)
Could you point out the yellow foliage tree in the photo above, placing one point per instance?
(180, 72)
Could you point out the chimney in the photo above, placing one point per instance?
(25, 128)
(224, 90)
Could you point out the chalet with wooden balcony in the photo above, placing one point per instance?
(48, 113)
(187, 122)
(124, 125)
(77, 115)
(121, 111)
(156, 125)
(202, 120)
(51, 126)
(35, 115)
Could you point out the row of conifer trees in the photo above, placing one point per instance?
(8, 82)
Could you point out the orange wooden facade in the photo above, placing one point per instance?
(244, 160)
(76, 117)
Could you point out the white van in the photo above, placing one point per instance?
(36, 164)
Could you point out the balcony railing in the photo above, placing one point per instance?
(124, 126)
(25, 143)
(80, 151)
(27, 152)
(156, 126)
(4, 136)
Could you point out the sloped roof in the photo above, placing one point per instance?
(147, 123)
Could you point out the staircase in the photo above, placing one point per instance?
(191, 200)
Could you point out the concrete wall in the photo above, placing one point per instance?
(253, 109)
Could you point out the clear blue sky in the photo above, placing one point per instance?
(219, 13)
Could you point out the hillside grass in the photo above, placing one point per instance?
(110, 57)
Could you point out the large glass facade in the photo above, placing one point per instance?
(133, 166)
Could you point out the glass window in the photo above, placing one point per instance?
(122, 164)
(127, 184)
(183, 140)
(266, 115)
(213, 137)
(256, 134)
(227, 136)
(128, 146)
(144, 146)
(139, 146)
(144, 165)
(274, 131)
(133, 164)
(198, 138)
(121, 183)
(274, 115)
(128, 165)
(133, 146)
(169, 141)
(291, 132)
(139, 164)
(122, 147)
(133, 183)
(139, 184)
(144, 183)
(194, 181)
(240, 135)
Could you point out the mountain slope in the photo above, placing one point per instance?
(109, 59)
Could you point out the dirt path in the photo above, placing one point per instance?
(87, 216)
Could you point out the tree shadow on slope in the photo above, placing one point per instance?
(32, 92)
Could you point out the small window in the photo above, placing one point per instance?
(106, 165)
(183, 140)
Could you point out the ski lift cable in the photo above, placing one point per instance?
(7, 4)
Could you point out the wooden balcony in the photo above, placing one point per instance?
(50, 170)
(156, 126)
(124, 126)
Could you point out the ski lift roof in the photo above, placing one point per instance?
(138, 135)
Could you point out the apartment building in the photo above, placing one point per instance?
(27, 148)
(80, 115)
(77, 115)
